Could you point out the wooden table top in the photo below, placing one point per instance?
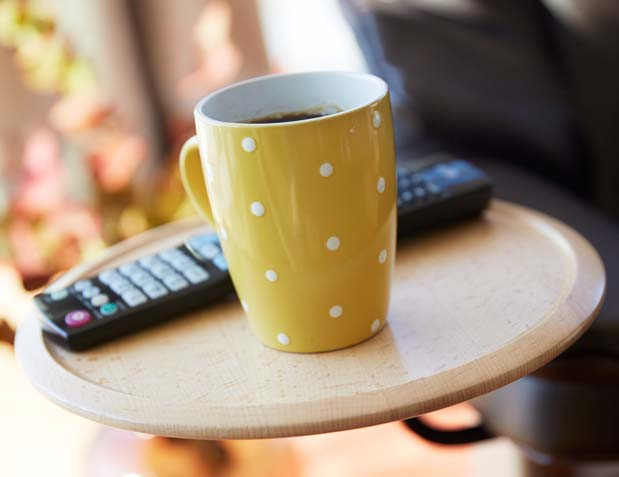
(474, 306)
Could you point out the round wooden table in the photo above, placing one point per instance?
(474, 306)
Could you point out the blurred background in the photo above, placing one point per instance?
(98, 96)
(96, 99)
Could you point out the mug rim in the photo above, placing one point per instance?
(199, 112)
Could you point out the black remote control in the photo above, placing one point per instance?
(136, 294)
(433, 190)
(439, 189)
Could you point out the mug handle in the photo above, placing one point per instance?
(194, 180)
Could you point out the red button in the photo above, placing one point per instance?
(77, 318)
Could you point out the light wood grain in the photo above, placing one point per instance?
(474, 307)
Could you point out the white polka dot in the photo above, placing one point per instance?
(380, 185)
(223, 233)
(248, 144)
(283, 339)
(271, 275)
(245, 306)
(351, 130)
(335, 311)
(376, 119)
(375, 326)
(326, 169)
(257, 209)
(382, 256)
(333, 243)
(209, 174)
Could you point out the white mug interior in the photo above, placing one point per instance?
(294, 92)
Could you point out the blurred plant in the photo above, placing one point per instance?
(47, 230)
(43, 54)
(220, 59)
(73, 188)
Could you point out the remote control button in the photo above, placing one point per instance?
(81, 284)
(109, 276)
(129, 269)
(407, 195)
(161, 271)
(466, 169)
(117, 279)
(99, 300)
(448, 171)
(59, 295)
(175, 282)
(150, 262)
(121, 287)
(404, 182)
(154, 289)
(173, 254)
(209, 251)
(220, 262)
(149, 282)
(134, 297)
(433, 188)
(108, 309)
(420, 192)
(77, 318)
(181, 264)
(201, 240)
(140, 277)
(90, 292)
(195, 274)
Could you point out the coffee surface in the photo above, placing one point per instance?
(290, 117)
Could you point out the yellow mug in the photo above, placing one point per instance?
(305, 210)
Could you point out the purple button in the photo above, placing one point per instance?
(77, 318)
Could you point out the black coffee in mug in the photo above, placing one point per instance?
(294, 116)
